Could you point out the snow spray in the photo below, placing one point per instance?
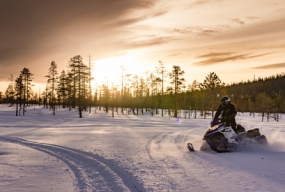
(277, 141)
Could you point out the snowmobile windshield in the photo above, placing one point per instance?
(215, 122)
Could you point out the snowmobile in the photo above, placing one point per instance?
(221, 137)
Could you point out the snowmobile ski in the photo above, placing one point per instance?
(190, 147)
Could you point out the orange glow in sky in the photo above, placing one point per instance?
(235, 39)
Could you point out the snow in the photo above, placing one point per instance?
(42, 152)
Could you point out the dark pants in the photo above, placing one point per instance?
(232, 123)
(236, 127)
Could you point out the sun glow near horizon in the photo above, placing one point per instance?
(109, 71)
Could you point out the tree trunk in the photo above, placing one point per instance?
(17, 108)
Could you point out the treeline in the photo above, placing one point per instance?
(72, 88)
(264, 95)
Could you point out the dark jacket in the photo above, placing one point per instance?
(227, 112)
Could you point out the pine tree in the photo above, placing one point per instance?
(160, 70)
(19, 91)
(214, 88)
(177, 80)
(26, 79)
(62, 89)
(78, 74)
(52, 78)
(10, 93)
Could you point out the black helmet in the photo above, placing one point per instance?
(225, 100)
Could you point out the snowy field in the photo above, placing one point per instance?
(42, 152)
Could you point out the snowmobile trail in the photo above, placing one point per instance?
(162, 152)
(154, 143)
(92, 172)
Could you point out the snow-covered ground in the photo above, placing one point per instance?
(42, 152)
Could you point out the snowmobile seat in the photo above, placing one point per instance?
(253, 133)
(239, 129)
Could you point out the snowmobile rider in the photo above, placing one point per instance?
(227, 112)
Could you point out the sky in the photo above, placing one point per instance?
(236, 39)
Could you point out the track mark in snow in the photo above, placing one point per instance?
(148, 145)
(180, 139)
(156, 139)
(168, 169)
(92, 172)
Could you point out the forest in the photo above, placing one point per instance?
(73, 89)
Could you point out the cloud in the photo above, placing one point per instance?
(271, 66)
(35, 31)
(202, 2)
(269, 26)
(236, 20)
(148, 42)
(199, 30)
(215, 58)
(252, 17)
(174, 55)
(215, 55)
